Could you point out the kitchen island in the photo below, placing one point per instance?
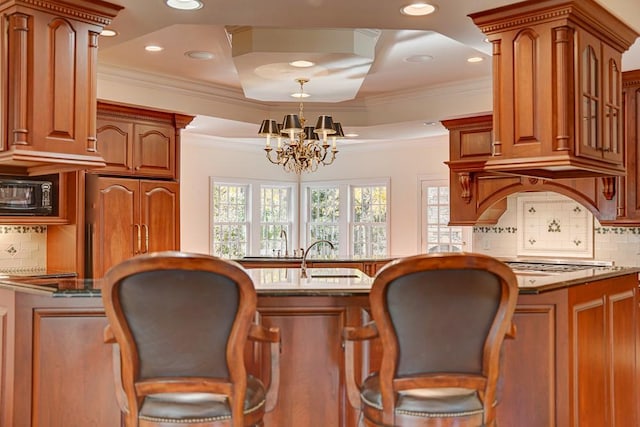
(573, 362)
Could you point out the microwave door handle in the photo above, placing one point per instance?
(139, 233)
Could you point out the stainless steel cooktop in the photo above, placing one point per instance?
(555, 266)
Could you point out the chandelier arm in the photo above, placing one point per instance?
(268, 151)
(333, 157)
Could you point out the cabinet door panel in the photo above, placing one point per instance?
(311, 382)
(154, 150)
(60, 91)
(160, 206)
(531, 360)
(589, 93)
(64, 391)
(612, 139)
(114, 212)
(114, 144)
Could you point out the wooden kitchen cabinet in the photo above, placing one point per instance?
(49, 73)
(480, 197)
(557, 90)
(129, 216)
(56, 367)
(628, 195)
(573, 361)
(139, 142)
(312, 388)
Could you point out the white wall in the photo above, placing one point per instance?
(203, 157)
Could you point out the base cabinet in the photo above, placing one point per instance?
(572, 363)
(56, 370)
(312, 380)
(129, 216)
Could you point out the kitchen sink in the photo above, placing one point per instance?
(334, 276)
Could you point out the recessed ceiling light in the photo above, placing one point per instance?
(418, 9)
(418, 58)
(300, 95)
(153, 48)
(199, 54)
(108, 33)
(430, 123)
(184, 4)
(351, 135)
(302, 64)
(475, 59)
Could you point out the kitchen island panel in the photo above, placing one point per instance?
(547, 367)
(77, 332)
(534, 387)
(312, 381)
(603, 326)
(57, 369)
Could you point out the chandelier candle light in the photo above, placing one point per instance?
(301, 148)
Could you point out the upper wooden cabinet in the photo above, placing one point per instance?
(480, 197)
(48, 66)
(137, 141)
(557, 90)
(628, 194)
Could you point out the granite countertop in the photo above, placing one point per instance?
(281, 259)
(320, 282)
(538, 282)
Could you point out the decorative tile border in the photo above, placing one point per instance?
(23, 229)
(497, 230)
(617, 230)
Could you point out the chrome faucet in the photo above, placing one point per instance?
(283, 233)
(303, 264)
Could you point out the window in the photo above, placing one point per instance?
(352, 215)
(324, 215)
(238, 230)
(437, 235)
(369, 223)
(230, 231)
(275, 220)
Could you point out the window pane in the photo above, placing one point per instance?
(369, 227)
(324, 214)
(439, 237)
(230, 227)
(275, 220)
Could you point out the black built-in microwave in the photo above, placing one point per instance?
(25, 197)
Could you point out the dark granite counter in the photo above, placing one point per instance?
(320, 281)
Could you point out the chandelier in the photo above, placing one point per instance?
(301, 148)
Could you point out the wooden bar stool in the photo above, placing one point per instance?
(179, 324)
(441, 319)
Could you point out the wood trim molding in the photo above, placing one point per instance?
(93, 11)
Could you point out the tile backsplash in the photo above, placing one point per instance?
(555, 215)
(23, 247)
(549, 226)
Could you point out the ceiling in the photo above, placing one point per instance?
(376, 53)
